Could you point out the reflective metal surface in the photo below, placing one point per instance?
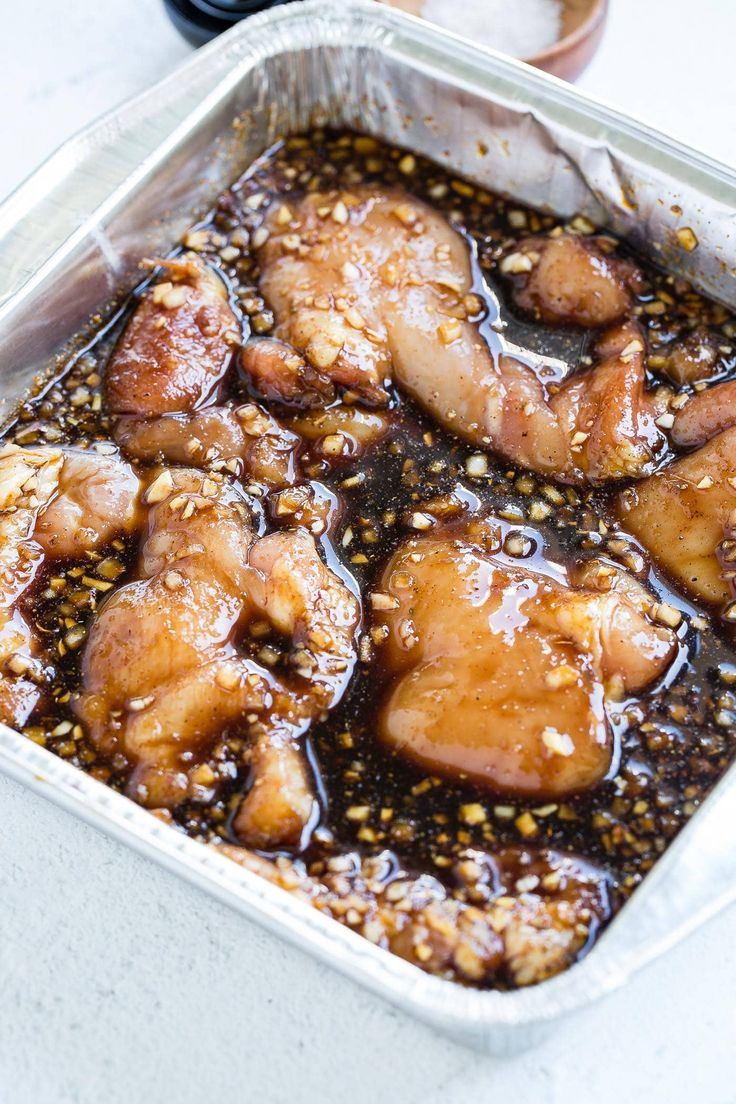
(72, 236)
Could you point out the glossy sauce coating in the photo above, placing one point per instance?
(430, 369)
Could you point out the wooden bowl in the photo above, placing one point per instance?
(582, 27)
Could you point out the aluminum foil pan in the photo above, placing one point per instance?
(70, 241)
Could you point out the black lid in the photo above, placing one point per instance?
(201, 20)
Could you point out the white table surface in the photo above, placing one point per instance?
(120, 984)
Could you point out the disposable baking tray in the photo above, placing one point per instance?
(127, 187)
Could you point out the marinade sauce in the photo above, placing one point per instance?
(672, 744)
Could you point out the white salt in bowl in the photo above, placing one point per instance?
(581, 29)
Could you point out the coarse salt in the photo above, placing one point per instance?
(518, 27)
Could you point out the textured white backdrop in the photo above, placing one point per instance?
(118, 983)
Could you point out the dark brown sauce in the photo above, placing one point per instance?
(672, 745)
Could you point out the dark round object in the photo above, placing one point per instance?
(201, 20)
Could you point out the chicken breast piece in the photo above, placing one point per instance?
(705, 414)
(177, 346)
(374, 285)
(306, 602)
(97, 498)
(158, 648)
(276, 372)
(54, 504)
(280, 804)
(324, 279)
(163, 673)
(518, 916)
(598, 426)
(571, 279)
(342, 430)
(500, 674)
(691, 359)
(609, 420)
(682, 515)
(28, 481)
(244, 440)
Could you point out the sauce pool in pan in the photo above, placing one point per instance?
(383, 539)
